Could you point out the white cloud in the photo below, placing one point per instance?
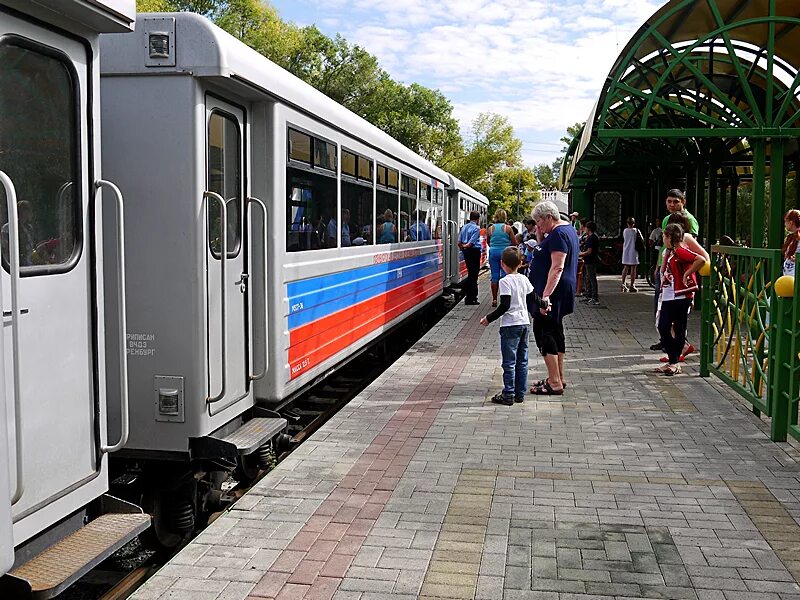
(539, 62)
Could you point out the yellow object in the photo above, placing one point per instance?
(784, 287)
(705, 270)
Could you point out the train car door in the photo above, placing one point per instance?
(227, 272)
(51, 346)
(454, 228)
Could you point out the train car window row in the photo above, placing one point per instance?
(391, 208)
(39, 152)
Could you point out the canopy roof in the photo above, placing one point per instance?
(728, 70)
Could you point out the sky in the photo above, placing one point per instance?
(541, 63)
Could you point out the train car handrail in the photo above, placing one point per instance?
(265, 214)
(13, 259)
(223, 227)
(122, 315)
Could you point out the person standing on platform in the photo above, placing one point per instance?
(499, 237)
(517, 299)
(553, 272)
(469, 242)
(575, 221)
(792, 223)
(631, 240)
(676, 202)
(591, 258)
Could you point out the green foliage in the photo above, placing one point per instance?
(154, 6)
(491, 148)
(502, 191)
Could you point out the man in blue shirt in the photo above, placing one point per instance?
(469, 241)
(418, 230)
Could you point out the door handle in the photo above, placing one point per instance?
(122, 315)
(9, 313)
(257, 202)
(13, 250)
(242, 283)
(223, 227)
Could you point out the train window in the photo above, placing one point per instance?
(324, 155)
(311, 210)
(393, 176)
(422, 229)
(408, 207)
(349, 163)
(365, 169)
(224, 178)
(299, 146)
(386, 231)
(357, 213)
(383, 177)
(38, 151)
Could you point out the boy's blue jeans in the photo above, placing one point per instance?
(514, 348)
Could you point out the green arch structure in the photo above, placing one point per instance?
(705, 98)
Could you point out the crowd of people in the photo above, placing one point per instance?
(536, 267)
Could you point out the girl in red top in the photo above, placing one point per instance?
(792, 222)
(678, 285)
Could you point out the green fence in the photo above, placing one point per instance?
(750, 332)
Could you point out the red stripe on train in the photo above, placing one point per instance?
(315, 342)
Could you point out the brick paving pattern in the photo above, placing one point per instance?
(631, 485)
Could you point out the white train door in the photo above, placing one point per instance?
(51, 350)
(227, 273)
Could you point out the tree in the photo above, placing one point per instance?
(492, 147)
(573, 131)
(501, 190)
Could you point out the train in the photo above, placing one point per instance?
(191, 237)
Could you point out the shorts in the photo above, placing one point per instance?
(495, 258)
(549, 334)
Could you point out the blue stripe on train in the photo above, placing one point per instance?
(359, 285)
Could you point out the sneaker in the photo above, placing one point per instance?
(586, 300)
(498, 398)
(594, 302)
(624, 288)
(657, 347)
(519, 399)
(633, 289)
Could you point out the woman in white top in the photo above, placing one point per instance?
(792, 223)
(630, 255)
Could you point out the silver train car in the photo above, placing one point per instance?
(273, 236)
(463, 200)
(55, 402)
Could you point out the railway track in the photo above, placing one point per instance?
(122, 574)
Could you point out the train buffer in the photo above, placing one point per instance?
(629, 485)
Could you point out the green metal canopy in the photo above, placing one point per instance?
(705, 93)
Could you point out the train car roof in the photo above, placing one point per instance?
(99, 16)
(462, 187)
(204, 50)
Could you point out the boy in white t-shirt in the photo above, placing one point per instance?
(517, 299)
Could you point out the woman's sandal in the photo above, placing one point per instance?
(541, 382)
(662, 369)
(673, 370)
(546, 390)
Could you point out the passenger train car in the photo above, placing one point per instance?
(276, 235)
(54, 399)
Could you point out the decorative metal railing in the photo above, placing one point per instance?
(750, 332)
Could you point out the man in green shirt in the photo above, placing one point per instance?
(676, 202)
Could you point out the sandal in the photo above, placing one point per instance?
(541, 382)
(546, 390)
(673, 370)
(494, 303)
(662, 369)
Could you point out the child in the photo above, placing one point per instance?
(516, 296)
(678, 284)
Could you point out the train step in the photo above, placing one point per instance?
(54, 570)
(255, 433)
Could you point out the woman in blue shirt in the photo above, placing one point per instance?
(553, 273)
(499, 238)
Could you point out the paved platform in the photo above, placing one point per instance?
(631, 485)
